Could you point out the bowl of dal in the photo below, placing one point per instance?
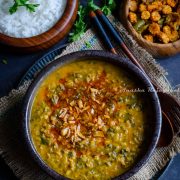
(91, 115)
(27, 31)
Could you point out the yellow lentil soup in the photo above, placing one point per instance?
(86, 122)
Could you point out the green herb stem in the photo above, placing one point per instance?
(22, 3)
(81, 25)
(4, 61)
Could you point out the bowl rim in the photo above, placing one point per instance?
(82, 55)
(57, 28)
(138, 36)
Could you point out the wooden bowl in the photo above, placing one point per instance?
(157, 50)
(48, 38)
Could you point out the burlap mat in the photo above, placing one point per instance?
(11, 145)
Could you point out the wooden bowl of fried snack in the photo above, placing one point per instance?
(154, 24)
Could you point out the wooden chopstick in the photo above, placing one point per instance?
(102, 32)
(117, 37)
(105, 21)
(101, 18)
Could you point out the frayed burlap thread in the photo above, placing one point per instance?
(12, 147)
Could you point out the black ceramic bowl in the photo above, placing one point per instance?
(154, 121)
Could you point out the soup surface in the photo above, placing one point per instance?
(86, 121)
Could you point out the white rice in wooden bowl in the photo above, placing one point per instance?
(24, 24)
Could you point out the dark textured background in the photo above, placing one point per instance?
(18, 64)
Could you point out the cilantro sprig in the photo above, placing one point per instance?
(109, 5)
(80, 25)
(4, 61)
(24, 3)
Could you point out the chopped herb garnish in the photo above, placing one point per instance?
(123, 152)
(127, 117)
(80, 163)
(114, 154)
(109, 146)
(44, 141)
(110, 130)
(22, 3)
(4, 61)
(70, 154)
(109, 5)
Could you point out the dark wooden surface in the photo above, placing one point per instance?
(11, 74)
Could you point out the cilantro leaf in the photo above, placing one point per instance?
(109, 6)
(81, 25)
(31, 7)
(92, 6)
(13, 8)
(22, 3)
(4, 61)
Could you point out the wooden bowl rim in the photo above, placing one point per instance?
(139, 36)
(46, 36)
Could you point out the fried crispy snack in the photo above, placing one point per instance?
(133, 6)
(154, 28)
(172, 3)
(166, 9)
(149, 38)
(145, 15)
(156, 20)
(174, 36)
(133, 17)
(155, 16)
(163, 37)
(167, 30)
(142, 7)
